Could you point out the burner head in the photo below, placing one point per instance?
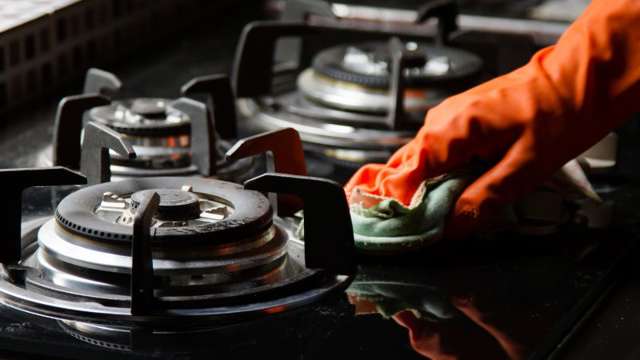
(142, 117)
(191, 210)
(174, 204)
(149, 108)
(368, 64)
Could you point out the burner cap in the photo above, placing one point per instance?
(149, 108)
(368, 64)
(174, 204)
(142, 117)
(191, 210)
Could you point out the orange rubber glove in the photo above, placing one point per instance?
(528, 122)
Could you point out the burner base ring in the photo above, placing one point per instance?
(16, 295)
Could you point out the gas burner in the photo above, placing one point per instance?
(171, 137)
(142, 116)
(359, 100)
(214, 243)
(357, 77)
(150, 251)
(215, 209)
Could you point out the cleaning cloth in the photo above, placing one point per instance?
(385, 225)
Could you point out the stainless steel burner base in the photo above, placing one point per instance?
(339, 142)
(17, 293)
(237, 171)
(350, 97)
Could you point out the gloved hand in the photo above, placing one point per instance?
(527, 123)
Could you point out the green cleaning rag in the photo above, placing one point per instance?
(384, 225)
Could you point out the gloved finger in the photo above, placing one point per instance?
(517, 173)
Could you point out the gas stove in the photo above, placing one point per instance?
(171, 137)
(358, 100)
(186, 266)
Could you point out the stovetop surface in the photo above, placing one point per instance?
(506, 297)
(509, 296)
